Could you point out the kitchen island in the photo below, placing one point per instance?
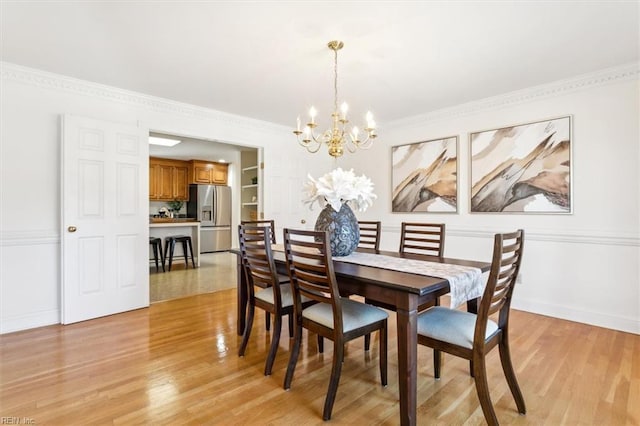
(161, 228)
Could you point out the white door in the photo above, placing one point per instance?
(105, 221)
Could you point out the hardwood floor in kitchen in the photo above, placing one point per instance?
(176, 362)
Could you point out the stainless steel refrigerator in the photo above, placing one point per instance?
(211, 205)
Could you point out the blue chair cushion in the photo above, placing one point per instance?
(354, 314)
(451, 326)
(266, 294)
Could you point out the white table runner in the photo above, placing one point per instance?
(465, 282)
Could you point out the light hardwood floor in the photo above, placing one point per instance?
(176, 363)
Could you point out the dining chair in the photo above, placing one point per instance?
(283, 279)
(472, 336)
(274, 297)
(369, 234)
(336, 318)
(422, 238)
(264, 222)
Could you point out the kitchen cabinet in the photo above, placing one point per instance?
(210, 173)
(181, 182)
(168, 179)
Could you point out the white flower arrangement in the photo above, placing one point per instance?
(340, 186)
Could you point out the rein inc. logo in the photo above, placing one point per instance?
(7, 420)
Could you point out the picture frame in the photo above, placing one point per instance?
(524, 168)
(424, 176)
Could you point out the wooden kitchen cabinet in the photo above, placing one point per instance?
(210, 173)
(181, 182)
(168, 179)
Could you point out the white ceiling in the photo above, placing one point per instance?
(196, 149)
(268, 60)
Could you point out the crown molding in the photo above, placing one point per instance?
(48, 80)
(627, 72)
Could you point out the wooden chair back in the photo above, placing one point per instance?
(311, 273)
(257, 258)
(265, 222)
(369, 234)
(422, 238)
(505, 265)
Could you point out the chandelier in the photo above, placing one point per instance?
(337, 137)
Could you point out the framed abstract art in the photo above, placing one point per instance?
(424, 176)
(522, 169)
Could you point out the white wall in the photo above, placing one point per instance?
(31, 104)
(584, 266)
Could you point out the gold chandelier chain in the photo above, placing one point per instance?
(335, 81)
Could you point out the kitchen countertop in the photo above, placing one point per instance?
(171, 219)
(175, 225)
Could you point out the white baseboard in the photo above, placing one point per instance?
(31, 320)
(626, 324)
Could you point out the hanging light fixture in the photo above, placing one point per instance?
(337, 137)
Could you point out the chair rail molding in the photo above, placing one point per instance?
(602, 237)
(29, 237)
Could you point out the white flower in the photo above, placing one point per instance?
(337, 187)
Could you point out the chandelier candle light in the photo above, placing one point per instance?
(337, 137)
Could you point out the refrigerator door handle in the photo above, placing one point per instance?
(215, 206)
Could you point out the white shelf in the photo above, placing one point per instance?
(255, 185)
(249, 204)
(247, 169)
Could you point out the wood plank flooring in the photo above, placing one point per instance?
(176, 363)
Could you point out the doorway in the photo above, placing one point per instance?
(217, 271)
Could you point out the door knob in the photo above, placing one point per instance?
(72, 229)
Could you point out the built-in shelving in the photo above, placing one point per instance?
(250, 185)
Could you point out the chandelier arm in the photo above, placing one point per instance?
(312, 148)
(351, 146)
(366, 143)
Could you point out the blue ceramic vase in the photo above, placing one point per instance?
(344, 233)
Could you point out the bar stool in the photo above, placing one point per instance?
(170, 243)
(156, 243)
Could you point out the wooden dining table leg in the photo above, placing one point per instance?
(407, 318)
(242, 298)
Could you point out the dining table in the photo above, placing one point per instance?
(402, 292)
